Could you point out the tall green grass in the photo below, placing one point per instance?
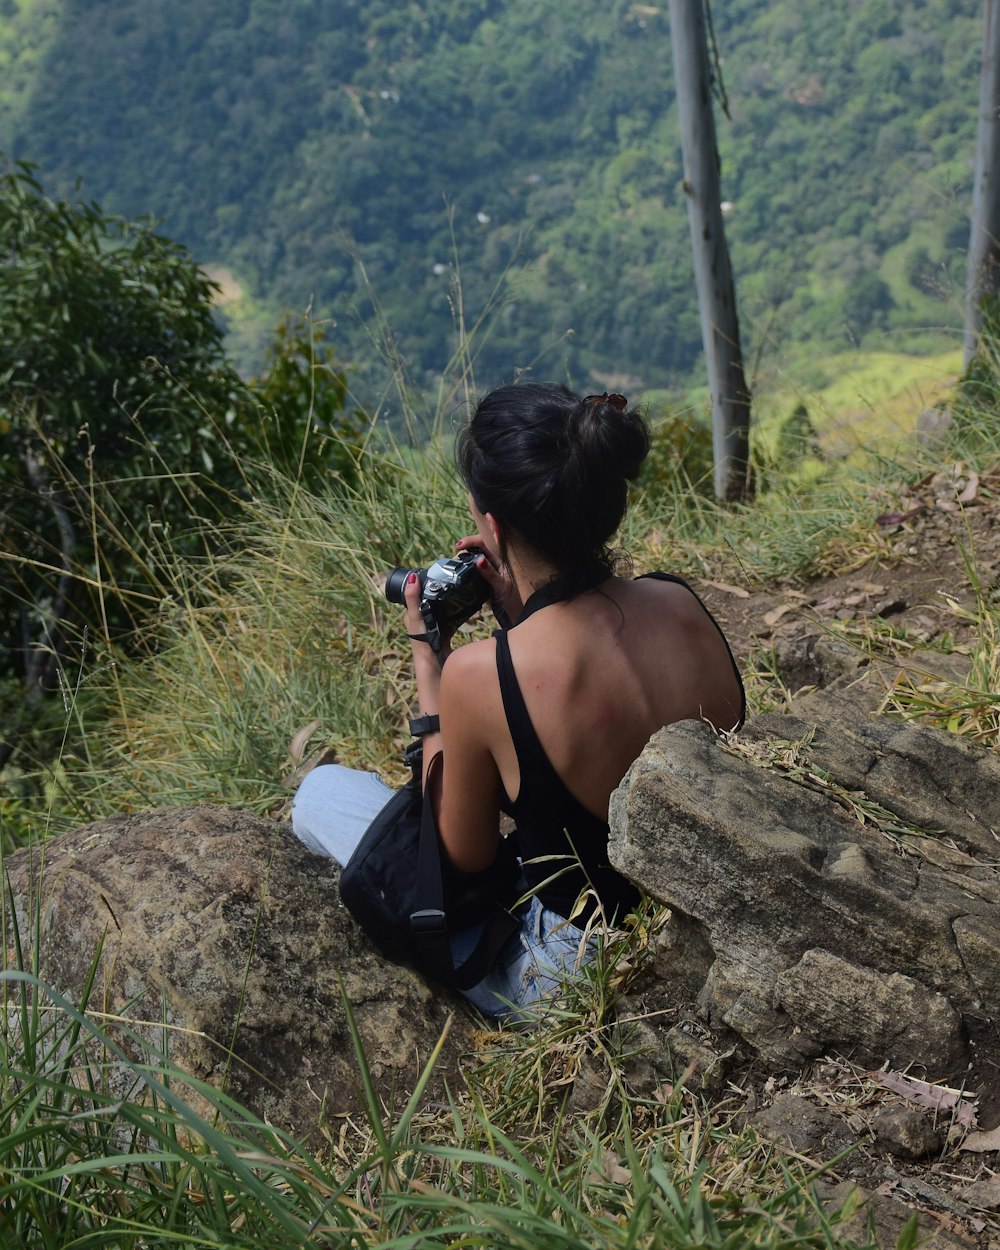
(282, 625)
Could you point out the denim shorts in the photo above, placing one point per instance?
(531, 966)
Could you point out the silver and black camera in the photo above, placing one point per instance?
(451, 591)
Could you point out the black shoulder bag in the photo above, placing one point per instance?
(400, 888)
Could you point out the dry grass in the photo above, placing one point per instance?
(969, 708)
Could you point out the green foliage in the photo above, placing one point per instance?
(867, 300)
(274, 139)
(101, 1145)
(281, 624)
(315, 436)
(101, 320)
(921, 271)
(124, 434)
(110, 361)
(797, 439)
(680, 454)
(977, 401)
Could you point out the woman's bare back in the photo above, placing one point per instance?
(602, 672)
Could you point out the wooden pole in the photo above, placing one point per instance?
(720, 330)
(984, 240)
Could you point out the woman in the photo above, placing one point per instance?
(544, 719)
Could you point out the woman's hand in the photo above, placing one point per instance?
(503, 593)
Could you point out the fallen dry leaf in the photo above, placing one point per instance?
(897, 518)
(830, 604)
(293, 779)
(981, 1142)
(297, 746)
(775, 615)
(971, 489)
(923, 1094)
(738, 591)
(613, 1169)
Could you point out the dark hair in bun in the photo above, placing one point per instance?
(554, 467)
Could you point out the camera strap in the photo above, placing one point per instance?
(433, 635)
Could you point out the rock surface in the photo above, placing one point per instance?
(907, 1133)
(225, 921)
(834, 887)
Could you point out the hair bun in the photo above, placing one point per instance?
(608, 437)
(552, 467)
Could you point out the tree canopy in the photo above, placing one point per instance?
(121, 416)
(273, 139)
(110, 357)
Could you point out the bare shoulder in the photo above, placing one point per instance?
(469, 685)
(698, 676)
(471, 662)
(676, 598)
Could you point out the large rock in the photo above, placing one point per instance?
(833, 888)
(226, 923)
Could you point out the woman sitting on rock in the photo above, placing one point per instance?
(543, 719)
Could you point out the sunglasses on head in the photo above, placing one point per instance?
(614, 400)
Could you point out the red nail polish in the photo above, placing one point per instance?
(411, 579)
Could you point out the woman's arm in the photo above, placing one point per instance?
(427, 665)
(467, 801)
(468, 805)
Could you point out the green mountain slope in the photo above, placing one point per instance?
(271, 138)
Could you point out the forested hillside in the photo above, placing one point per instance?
(273, 138)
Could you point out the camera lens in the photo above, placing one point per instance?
(395, 583)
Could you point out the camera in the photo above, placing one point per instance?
(451, 591)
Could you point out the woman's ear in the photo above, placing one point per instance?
(494, 525)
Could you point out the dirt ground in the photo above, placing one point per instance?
(923, 553)
(913, 587)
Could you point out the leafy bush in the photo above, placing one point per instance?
(680, 454)
(308, 431)
(111, 362)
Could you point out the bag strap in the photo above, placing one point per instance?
(429, 924)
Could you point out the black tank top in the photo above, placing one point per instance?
(564, 846)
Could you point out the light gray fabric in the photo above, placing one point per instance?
(334, 806)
